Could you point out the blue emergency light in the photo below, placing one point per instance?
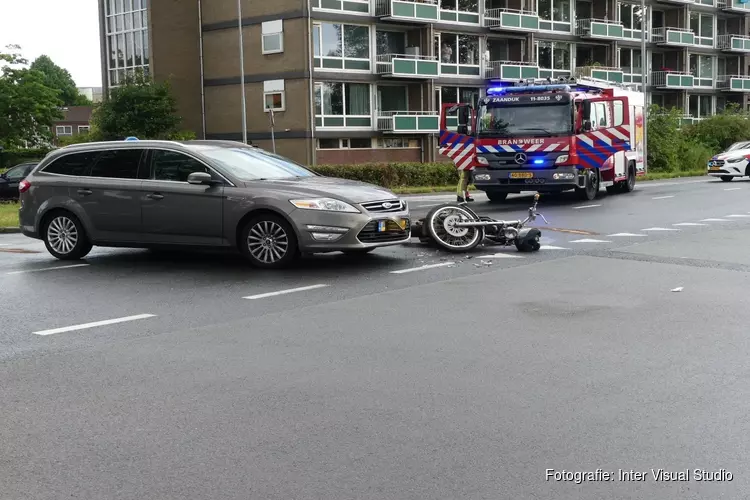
(538, 162)
(131, 138)
(527, 89)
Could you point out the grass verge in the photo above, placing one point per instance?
(8, 214)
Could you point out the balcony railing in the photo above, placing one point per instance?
(733, 5)
(600, 73)
(672, 79)
(733, 83)
(409, 122)
(408, 66)
(511, 70)
(673, 36)
(733, 43)
(420, 11)
(599, 28)
(511, 20)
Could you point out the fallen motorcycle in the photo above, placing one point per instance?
(457, 228)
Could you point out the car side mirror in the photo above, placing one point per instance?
(586, 110)
(463, 129)
(201, 178)
(587, 126)
(463, 115)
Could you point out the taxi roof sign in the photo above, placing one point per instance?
(131, 138)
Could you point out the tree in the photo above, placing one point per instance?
(140, 108)
(27, 106)
(59, 79)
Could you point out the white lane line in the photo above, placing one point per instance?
(714, 220)
(422, 268)
(732, 189)
(660, 229)
(550, 247)
(48, 269)
(283, 292)
(500, 256)
(585, 206)
(689, 224)
(662, 197)
(94, 324)
(737, 216)
(587, 240)
(626, 234)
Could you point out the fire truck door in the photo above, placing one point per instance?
(605, 135)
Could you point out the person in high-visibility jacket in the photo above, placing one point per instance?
(462, 191)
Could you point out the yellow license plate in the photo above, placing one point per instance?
(404, 223)
(715, 168)
(521, 175)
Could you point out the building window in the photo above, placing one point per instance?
(702, 68)
(554, 15)
(272, 37)
(64, 130)
(342, 104)
(459, 54)
(460, 5)
(341, 46)
(126, 25)
(553, 58)
(397, 142)
(274, 95)
(347, 7)
(353, 143)
(83, 129)
(390, 42)
(703, 27)
(700, 106)
(392, 98)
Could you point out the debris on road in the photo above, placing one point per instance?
(678, 289)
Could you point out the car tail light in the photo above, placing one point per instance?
(23, 186)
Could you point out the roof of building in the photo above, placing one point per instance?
(76, 114)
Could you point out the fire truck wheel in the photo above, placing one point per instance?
(629, 185)
(496, 196)
(591, 188)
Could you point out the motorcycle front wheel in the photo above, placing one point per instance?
(440, 223)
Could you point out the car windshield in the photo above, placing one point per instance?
(739, 145)
(251, 164)
(529, 120)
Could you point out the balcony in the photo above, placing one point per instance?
(733, 43)
(733, 83)
(409, 122)
(408, 66)
(511, 20)
(677, 2)
(416, 11)
(736, 6)
(615, 75)
(673, 37)
(511, 71)
(672, 80)
(599, 29)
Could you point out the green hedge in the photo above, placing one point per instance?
(11, 157)
(394, 175)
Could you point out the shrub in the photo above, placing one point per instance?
(720, 131)
(11, 157)
(393, 175)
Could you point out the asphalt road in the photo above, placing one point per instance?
(406, 374)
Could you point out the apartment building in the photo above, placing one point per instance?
(351, 81)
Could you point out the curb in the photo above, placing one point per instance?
(10, 230)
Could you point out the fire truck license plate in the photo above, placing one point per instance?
(521, 175)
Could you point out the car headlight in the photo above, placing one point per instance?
(736, 160)
(482, 160)
(561, 159)
(326, 204)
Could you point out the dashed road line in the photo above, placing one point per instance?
(587, 240)
(500, 256)
(94, 324)
(284, 292)
(662, 197)
(737, 216)
(626, 235)
(660, 229)
(732, 189)
(48, 269)
(550, 247)
(689, 224)
(714, 220)
(585, 206)
(422, 268)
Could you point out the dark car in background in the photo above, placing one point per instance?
(10, 180)
(218, 194)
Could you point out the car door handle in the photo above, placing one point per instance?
(85, 191)
(155, 196)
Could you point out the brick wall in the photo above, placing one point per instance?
(353, 156)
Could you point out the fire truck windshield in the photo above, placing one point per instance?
(526, 119)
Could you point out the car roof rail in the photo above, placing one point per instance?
(84, 144)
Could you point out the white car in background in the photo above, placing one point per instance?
(731, 163)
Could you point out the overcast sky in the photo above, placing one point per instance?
(65, 30)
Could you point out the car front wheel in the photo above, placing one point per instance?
(268, 241)
(65, 237)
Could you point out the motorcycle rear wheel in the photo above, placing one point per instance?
(441, 229)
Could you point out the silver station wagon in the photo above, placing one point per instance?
(222, 194)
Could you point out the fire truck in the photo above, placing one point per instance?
(548, 137)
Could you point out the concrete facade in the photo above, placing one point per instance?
(362, 80)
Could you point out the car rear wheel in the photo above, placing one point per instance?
(268, 241)
(65, 237)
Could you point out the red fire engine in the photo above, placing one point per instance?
(577, 134)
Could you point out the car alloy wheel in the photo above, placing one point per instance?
(269, 241)
(65, 237)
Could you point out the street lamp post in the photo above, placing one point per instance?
(242, 72)
(644, 82)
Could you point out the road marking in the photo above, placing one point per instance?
(660, 229)
(428, 205)
(283, 292)
(48, 269)
(689, 224)
(585, 206)
(500, 256)
(550, 247)
(738, 215)
(626, 234)
(95, 324)
(662, 197)
(423, 268)
(570, 231)
(714, 220)
(732, 189)
(585, 240)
